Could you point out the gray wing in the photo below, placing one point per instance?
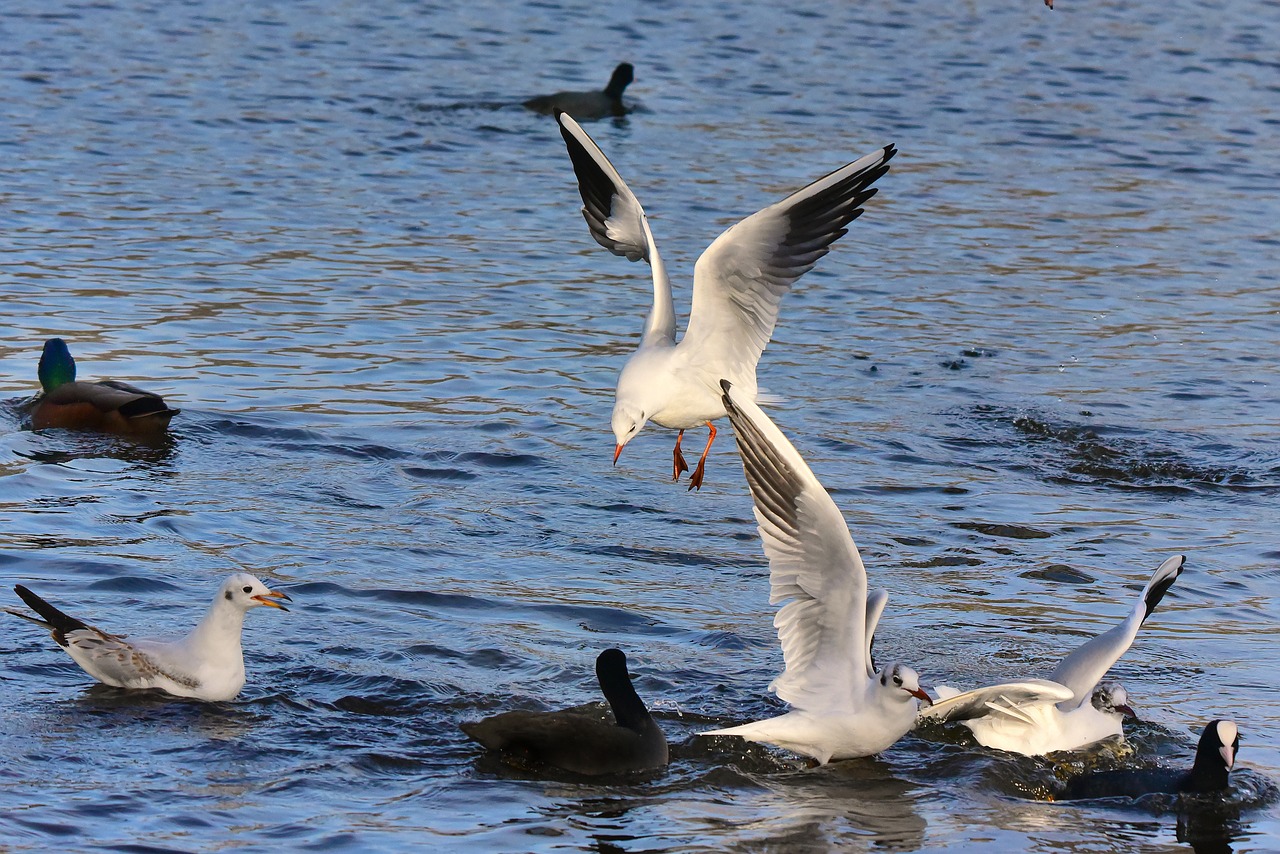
(1083, 669)
(814, 566)
(740, 279)
(995, 699)
(876, 600)
(116, 661)
(617, 222)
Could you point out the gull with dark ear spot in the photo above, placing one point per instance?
(1071, 708)
(108, 406)
(842, 707)
(207, 664)
(578, 742)
(596, 104)
(1215, 757)
(738, 285)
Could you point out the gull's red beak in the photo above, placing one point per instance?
(1126, 710)
(617, 452)
(920, 694)
(269, 598)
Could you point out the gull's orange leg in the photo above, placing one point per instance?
(695, 482)
(678, 464)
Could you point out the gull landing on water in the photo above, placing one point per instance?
(1070, 709)
(207, 664)
(842, 707)
(738, 284)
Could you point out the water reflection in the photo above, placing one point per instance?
(811, 811)
(76, 449)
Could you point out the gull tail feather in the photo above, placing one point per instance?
(26, 616)
(58, 623)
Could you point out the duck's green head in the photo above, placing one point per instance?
(56, 365)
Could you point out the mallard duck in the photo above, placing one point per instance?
(108, 405)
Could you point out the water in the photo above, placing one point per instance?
(1042, 361)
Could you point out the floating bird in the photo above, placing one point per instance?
(842, 708)
(738, 284)
(578, 742)
(1070, 709)
(588, 105)
(207, 664)
(108, 405)
(1215, 757)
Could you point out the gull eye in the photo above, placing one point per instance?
(248, 590)
(897, 680)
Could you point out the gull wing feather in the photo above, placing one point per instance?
(1006, 699)
(115, 661)
(1083, 669)
(814, 566)
(617, 222)
(876, 600)
(740, 279)
(107, 657)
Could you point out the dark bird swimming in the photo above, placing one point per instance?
(588, 105)
(578, 742)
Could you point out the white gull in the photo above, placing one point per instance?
(841, 706)
(1070, 709)
(738, 284)
(207, 664)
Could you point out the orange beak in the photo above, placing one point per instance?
(920, 694)
(269, 597)
(617, 452)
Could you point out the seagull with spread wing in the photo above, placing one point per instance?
(1073, 707)
(842, 707)
(738, 284)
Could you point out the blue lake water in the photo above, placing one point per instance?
(328, 232)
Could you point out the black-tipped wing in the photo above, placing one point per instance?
(616, 220)
(611, 210)
(1083, 669)
(740, 279)
(107, 657)
(814, 566)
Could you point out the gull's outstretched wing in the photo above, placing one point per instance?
(1083, 669)
(617, 221)
(876, 600)
(814, 566)
(1003, 700)
(740, 279)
